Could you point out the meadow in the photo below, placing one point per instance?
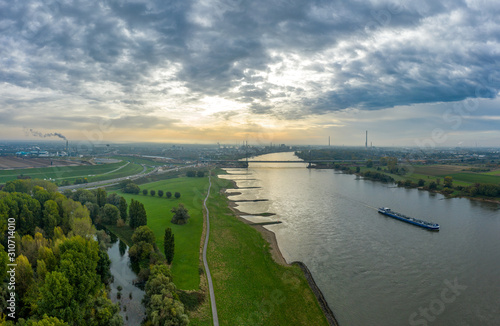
(459, 174)
(185, 266)
(92, 172)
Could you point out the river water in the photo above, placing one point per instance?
(372, 269)
(132, 310)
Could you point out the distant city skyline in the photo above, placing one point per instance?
(295, 72)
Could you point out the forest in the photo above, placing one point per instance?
(61, 264)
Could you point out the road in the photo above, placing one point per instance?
(112, 182)
(205, 263)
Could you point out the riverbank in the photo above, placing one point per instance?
(250, 286)
(274, 249)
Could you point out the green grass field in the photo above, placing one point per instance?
(432, 172)
(185, 266)
(61, 173)
(138, 160)
(125, 170)
(250, 288)
(472, 178)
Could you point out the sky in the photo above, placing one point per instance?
(413, 73)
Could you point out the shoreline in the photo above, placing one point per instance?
(274, 249)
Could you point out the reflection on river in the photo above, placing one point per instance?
(372, 269)
(132, 309)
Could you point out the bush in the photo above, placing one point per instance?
(152, 192)
(177, 195)
(144, 191)
(168, 194)
(160, 193)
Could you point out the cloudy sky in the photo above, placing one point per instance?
(421, 73)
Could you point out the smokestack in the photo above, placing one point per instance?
(328, 141)
(67, 147)
(366, 141)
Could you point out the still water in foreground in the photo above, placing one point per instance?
(131, 296)
(372, 269)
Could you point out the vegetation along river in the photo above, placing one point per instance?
(372, 269)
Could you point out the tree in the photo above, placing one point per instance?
(137, 214)
(123, 209)
(180, 215)
(369, 163)
(111, 214)
(152, 192)
(358, 169)
(50, 217)
(78, 263)
(432, 185)
(169, 245)
(177, 195)
(421, 182)
(103, 266)
(200, 174)
(101, 197)
(131, 188)
(162, 304)
(168, 194)
(47, 321)
(160, 193)
(144, 192)
(191, 174)
(143, 233)
(24, 275)
(56, 295)
(448, 181)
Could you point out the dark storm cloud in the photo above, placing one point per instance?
(361, 54)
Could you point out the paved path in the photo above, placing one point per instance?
(209, 277)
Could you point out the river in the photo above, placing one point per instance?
(131, 297)
(372, 269)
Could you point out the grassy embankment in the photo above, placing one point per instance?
(250, 288)
(70, 173)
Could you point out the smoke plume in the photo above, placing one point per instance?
(42, 135)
